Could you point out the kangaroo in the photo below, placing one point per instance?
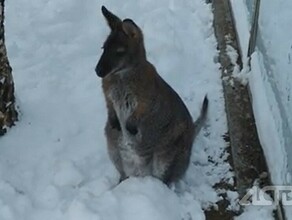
(149, 130)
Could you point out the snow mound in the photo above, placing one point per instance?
(54, 163)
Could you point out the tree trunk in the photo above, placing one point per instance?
(8, 113)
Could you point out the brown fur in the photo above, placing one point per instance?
(149, 129)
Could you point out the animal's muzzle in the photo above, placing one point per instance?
(99, 71)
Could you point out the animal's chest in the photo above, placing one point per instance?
(124, 102)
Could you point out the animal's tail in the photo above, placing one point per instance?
(198, 124)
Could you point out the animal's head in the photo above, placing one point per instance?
(123, 48)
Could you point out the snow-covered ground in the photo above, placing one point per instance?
(270, 81)
(53, 163)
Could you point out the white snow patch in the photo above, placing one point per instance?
(266, 127)
(48, 197)
(233, 198)
(67, 174)
(239, 75)
(54, 162)
(257, 212)
(243, 26)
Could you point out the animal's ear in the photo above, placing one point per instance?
(112, 20)
(131, 29)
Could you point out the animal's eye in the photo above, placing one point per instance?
(120, 50)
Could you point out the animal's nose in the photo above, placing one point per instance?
(98, 71)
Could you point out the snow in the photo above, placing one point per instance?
(54, 162)
(257, 212)
(275, 156)
(270, 90)
(262, 208)
(276, 51)
(243, 25)
(242, 19)
(67, 175)
(270, 83)
(237, 74)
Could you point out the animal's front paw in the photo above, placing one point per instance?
(122, 178)
(131, 128)
(115, 124)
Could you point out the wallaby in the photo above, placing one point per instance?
(149, 130)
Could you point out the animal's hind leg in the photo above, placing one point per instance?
(162, 164)
(114, 136)
(182, 158)
(180, 165)
(171, 165)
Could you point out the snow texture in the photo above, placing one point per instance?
(257, 212)
(243, 25)
(271, 90)
(54, 162)
(270, 82)
(275, 51)
(275, 55)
